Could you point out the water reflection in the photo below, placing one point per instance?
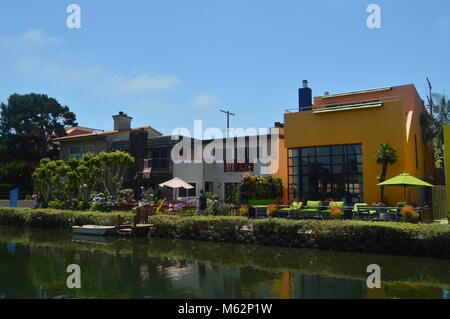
(33, 265)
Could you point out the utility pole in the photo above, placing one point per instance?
(228, 113)
(430, 98)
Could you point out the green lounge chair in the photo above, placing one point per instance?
(362, 211)
(312, 210)
(286, 212)
(399, 207)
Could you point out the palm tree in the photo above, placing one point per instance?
(441, 117)
(385, 155)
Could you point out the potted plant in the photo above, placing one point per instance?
(272, 210)
(409, 214)
(336, 212)
(243, 210)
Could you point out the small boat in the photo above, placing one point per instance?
(93, 230)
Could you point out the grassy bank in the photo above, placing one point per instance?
(57, 219)
(423, 240)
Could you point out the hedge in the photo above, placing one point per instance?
(57, 219)
(424, 240)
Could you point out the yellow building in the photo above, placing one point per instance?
(447, 160)
(332, 143)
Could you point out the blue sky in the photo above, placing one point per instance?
(169, 62)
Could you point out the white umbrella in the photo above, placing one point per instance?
(176, 183)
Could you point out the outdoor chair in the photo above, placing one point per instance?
(289, 211)
(312, 210)
(399, 207)
(362, 211)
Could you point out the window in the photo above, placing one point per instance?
(182, 192)
(75, 152)
(317, 173)
(160, 157)
(209, 187)
(88, 149)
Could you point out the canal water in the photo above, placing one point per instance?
(33, 264)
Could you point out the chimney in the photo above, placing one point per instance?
(122, 122)
(304, 96)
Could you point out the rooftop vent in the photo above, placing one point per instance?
(304, 96)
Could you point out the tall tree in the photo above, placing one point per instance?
(440, 119)
(27, 124)
(385, 155)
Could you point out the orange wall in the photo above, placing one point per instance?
(369, 127)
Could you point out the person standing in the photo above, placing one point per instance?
(201, 204)
(215, 207)
(141, 196)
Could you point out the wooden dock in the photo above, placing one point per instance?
(140, 226)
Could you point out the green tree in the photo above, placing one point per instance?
(385, 155)
(89, 172)
(114, 167)
(27, 124)
(440, 119)
(48, 182)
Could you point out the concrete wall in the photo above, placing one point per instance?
(20, 203)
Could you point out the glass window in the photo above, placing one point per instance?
(323, 151)
(182, 192)
(209, 187)
(327, 172)
(88, 149)
(75, 152)
(308, 151)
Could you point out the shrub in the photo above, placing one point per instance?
(101, 207)
(223, 210)
(82, 206)
(409, 214)
(243, 210)
(55, 204)
(150, 195)
(56, 219)
(126, 195)
(370, 237)
(272, 210)
(336, 213)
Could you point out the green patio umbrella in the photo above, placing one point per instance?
(405, 180)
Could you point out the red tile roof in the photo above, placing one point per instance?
(68, 137)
